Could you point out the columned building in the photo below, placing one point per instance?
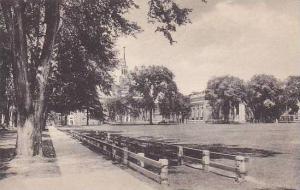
(201, 111)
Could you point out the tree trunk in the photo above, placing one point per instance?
(6, 116)
(150, 115)
(30, 113)
(87, 117)
(44, 119)
(66, 120)
(24, 141)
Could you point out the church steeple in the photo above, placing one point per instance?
(124, 55)
(123, 79)
(123, 65)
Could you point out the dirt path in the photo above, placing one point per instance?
(79, 169)
(83, 169)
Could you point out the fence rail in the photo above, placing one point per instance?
(116, 146)
(239, 167)
(124, 155)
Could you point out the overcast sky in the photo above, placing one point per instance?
(226, 37)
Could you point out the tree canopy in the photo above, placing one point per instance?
(224, 94)
(151, 83)
(265, 97)
(36, 32)
(292, 93)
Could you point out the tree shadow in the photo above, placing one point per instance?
(47, 146)
(7, 151)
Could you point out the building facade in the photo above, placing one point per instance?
(201, 111)
(81, 118)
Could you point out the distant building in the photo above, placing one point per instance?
(80, 118)
(76, 118)
(201, 111)
(290, 118)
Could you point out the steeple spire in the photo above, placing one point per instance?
(124, 55)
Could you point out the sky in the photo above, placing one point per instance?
(226, 37)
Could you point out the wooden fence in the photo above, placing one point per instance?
(238, 167)
(116, 147)
(136, 161)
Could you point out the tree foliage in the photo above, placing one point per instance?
(292, 93)
(224, 94)
(174, 104)
(265, 97)
(118, 107)
(151, 83)
(86, 28)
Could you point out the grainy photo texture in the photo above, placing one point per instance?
(149, 94)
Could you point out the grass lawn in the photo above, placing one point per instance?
(274, 149)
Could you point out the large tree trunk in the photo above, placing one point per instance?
(151, 115)
(44, 120)
(30, 112)
(29, 138)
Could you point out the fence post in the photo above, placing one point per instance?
(142, 164)
(113, 152)
(205, 160)
(240, 168)
(108, 137)
(180, 155)
(105, 149)
(164, 172)
(125, 157)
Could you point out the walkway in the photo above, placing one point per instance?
(80, 169)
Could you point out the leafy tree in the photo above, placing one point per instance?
(177, 106)
(75, 82)
(174, 104)
(224, 94)
(33, 28)
(265, 98)
(167, 102)
(151, 83)
(118, 107)
(292, 93)
(183, 106)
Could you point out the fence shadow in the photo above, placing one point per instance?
(234, 150)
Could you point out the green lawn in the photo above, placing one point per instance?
(274, 149)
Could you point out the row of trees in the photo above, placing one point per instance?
(148, 87)
(60, 49)
(266, 98)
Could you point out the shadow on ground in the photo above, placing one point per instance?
(233, 150)
(279, 188)
(47, 146)
(36, 167)
(7, 151)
